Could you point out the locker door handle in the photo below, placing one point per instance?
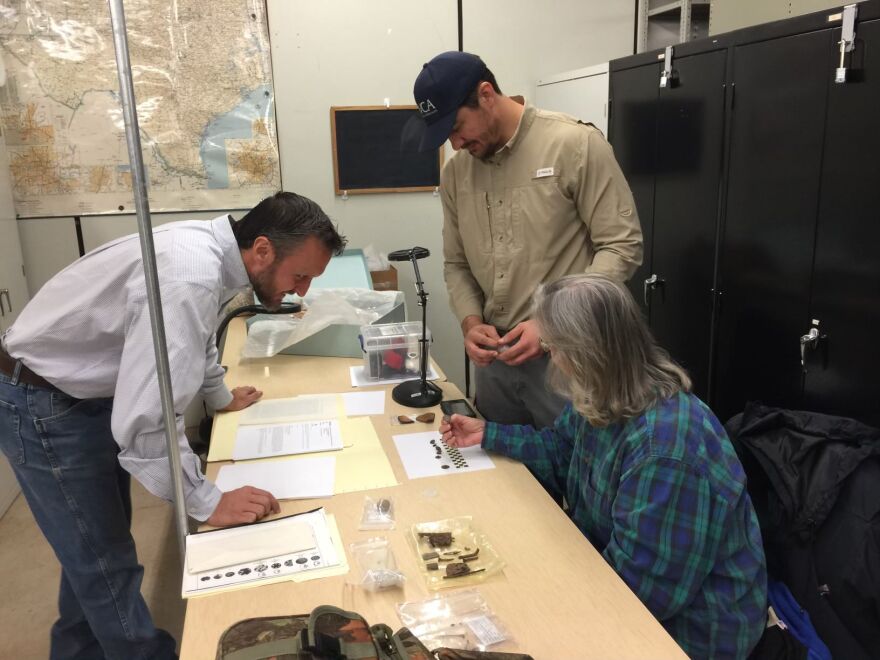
(654, 282)
(8, 302)
(811, 341)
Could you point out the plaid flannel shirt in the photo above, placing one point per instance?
(663, 497)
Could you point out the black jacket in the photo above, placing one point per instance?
(815, 483)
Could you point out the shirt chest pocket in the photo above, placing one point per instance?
(540, 212)
(473, 224)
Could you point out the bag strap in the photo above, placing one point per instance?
(334, 647)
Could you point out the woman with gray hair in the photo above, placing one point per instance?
(646, 469)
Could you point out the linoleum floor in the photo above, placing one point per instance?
(29, 575)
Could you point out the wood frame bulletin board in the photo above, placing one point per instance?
(367, 153)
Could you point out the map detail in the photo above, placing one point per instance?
(203, 85)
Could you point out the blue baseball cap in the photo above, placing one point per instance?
(441, 89)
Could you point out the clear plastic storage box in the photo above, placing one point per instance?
(392, 350)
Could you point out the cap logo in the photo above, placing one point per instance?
(426, 108)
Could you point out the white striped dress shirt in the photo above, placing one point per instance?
(87, 331)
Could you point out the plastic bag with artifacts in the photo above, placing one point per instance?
(321, 309)
(453, 553)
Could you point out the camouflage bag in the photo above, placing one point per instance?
(328, 633)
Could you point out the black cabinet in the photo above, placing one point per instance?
(757, 178)
(632, 129)
(766, 255)
(690, 136)
(843, 371)
(669, 142)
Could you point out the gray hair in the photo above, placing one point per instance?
(605, 358)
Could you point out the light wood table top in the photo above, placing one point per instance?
(557, 596)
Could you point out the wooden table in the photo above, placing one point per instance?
(557, 596)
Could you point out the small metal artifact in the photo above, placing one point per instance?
(460, 570)
(429, 555)
(432, 566)
(471, 556)
(403, 419)
(425, 418)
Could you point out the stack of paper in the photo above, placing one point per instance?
(286, 439)
(287, 479)
(299, 547)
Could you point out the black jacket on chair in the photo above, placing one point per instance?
(815, 482)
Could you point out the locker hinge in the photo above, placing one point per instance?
(847, 40)
(668, 76)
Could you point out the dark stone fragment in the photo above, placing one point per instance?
(457, 569)
(437, 539)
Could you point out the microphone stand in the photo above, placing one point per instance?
(419, 393)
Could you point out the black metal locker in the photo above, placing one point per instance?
(766, 256)
(632, 132)
(690, 141)
(843, 371)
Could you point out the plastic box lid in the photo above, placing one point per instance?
(382, 336)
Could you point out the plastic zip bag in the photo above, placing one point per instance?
(322, 308)
(376, 566)
(460, 620)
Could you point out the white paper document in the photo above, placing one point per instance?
(292, 409)
(293, 478)
(286, 439)
(210, 550)
(426, 455)
(359, 404)
(360, 379)
(262, 553)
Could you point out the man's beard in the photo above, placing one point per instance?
(262, 283)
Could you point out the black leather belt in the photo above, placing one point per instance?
(8, 365)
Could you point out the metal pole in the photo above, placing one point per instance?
(145, 229)
(684, 25)
(642, 27)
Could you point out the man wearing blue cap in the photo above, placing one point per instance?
(537, 196)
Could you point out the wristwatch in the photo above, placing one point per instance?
(544, 345)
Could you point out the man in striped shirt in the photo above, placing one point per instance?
(80, 408)
(646, 469)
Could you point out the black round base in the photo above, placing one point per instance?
(414, 394)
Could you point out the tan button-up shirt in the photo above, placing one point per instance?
(551, 202)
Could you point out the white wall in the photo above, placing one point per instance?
(522, 41)
(581, 93)
(351, 52)
(727, 15)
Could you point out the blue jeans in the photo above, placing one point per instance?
(65, 458)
